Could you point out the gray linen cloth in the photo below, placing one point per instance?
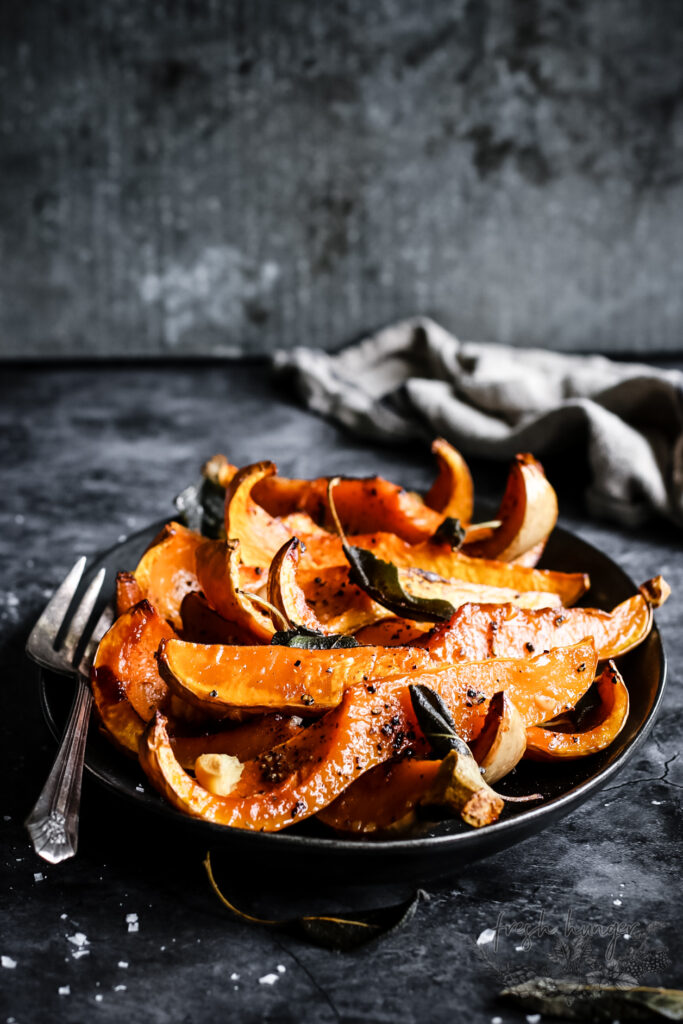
(415, 380)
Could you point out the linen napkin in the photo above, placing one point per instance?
(415, 380)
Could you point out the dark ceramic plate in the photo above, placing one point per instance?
(448, 844)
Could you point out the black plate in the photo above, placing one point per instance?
(448, 844)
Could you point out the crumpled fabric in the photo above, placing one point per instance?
(415, 380)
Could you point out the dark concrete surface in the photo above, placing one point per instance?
(90, 455)
(186, 177)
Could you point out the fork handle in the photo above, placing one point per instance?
(53, 822)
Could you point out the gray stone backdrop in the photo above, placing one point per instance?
(205, 177)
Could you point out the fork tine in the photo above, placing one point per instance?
(82, 617)
(101, 626)
(54, 613)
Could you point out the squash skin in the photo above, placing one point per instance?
(373, 723)
(484, 631)
(545, 744)
(528, 513)
(166, 571)
(127, 688)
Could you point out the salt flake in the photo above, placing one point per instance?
(617, 903)
(533, 1018)
(119, 988)
(234, 976)
(38, 876)
(132, 922)
(488, 935)
(123, 963)
(98, 998)
(281, 968)
(8, 962)
(268, 979)
(64, 990)
(79, 939)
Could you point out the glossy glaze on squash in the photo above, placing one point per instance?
(452, 493)
(166, 571)
(373, 723)
(245, 741)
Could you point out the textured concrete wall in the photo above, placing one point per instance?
(195, 177)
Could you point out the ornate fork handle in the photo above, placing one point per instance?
(53, 822)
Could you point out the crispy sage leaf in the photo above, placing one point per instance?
(311, 639)
(435, 720)
(202, 508)
(575, 1001)
(451, 531)
(380, 580)
(339, 932)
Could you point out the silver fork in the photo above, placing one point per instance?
(53, 822)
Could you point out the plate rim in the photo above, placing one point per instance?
(551, 808)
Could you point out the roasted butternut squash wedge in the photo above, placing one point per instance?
(452, 493)
(502, 741)
(284, 591)
(503, 631)
(527, 514)
(363, 505)
(546, 744)
(127, 688)
(392, 633)
(224, 680)
(246, 741)
(260, 535)
(218, 573)
(128, 592)
(326, 552)
(166, 571)
(384, 799)
(373, 723)
(202, 625)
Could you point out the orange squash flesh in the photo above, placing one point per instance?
(202, 625)
(383, 799)
(503, 631)
(126, 685)
(392, 633)
(218, 573)
(245, 742)
(166, 571)
(545, 744)
(363, 505)
(260, 535)
(452, 493)
(528, 513)
(308, 682)
(274, 678)
(373, 723)
(326, 552)
(128, 592)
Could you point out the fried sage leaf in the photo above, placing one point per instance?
(312, 640)
(202, 508)
(574, 1001)
(435, 720)
(451, 532)
(380, 580)
(339, 932)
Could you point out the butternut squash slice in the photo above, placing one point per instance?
(392, 633)
(527, 514)
(245, 741)
(127, 688)
(225, 680)
(218, 573)
(166, 571)
(502, 741)
(440, 559)
(546, 744)
(260, 535)
(384, 799)
(128, 592)
(452, 493)
(503, 631)
(373, 723)
(363, 505)
(202, 625)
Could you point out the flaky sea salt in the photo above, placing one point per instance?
(79, 939)
(132, 922)
(234, 976)
(123, 963)
(119, 988)
(268, 979)
(64, 990)
(281, 968)
(488, 935)
(38, 876)
(8, 962)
